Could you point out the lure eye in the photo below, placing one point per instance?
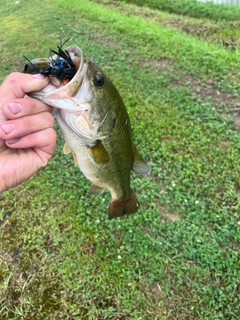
(99, 80)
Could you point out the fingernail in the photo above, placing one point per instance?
(38, 76)
(8, 127)
(12, 141)
(15, 107)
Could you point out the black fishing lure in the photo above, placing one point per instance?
(62, 67)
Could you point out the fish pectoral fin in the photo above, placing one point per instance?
(140, 166)
(95, 190)
(67, 150)
(100, 154)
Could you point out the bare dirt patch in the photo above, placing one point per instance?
(204, 89)
(207, 90)
(156, 64)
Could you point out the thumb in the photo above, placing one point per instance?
(17, 84)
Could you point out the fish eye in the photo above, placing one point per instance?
(99, 80)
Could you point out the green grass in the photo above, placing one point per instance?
(222, 31)
(194, 8)
(178, 258)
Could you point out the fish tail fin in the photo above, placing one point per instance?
(119, 208)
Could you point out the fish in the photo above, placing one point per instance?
(95, 125)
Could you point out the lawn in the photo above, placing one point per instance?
(178, 257)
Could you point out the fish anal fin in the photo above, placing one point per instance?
(140, 166)
(95, 190)
(67, 150)
(99, 153)
(119, 208)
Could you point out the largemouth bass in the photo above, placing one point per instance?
(96, 128)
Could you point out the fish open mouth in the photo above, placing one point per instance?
(72, 93)
(62, 94)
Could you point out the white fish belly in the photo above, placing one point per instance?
(82, 151)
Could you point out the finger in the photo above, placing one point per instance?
(17, 84)
(43, 142)
(24, 126)
(24, 107)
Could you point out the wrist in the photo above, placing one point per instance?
(2, 187)
(3, 182)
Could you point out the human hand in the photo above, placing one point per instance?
(27, 137)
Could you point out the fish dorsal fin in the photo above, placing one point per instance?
(100, 154)
(95, 190)
(140, 166)
(67, 150)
